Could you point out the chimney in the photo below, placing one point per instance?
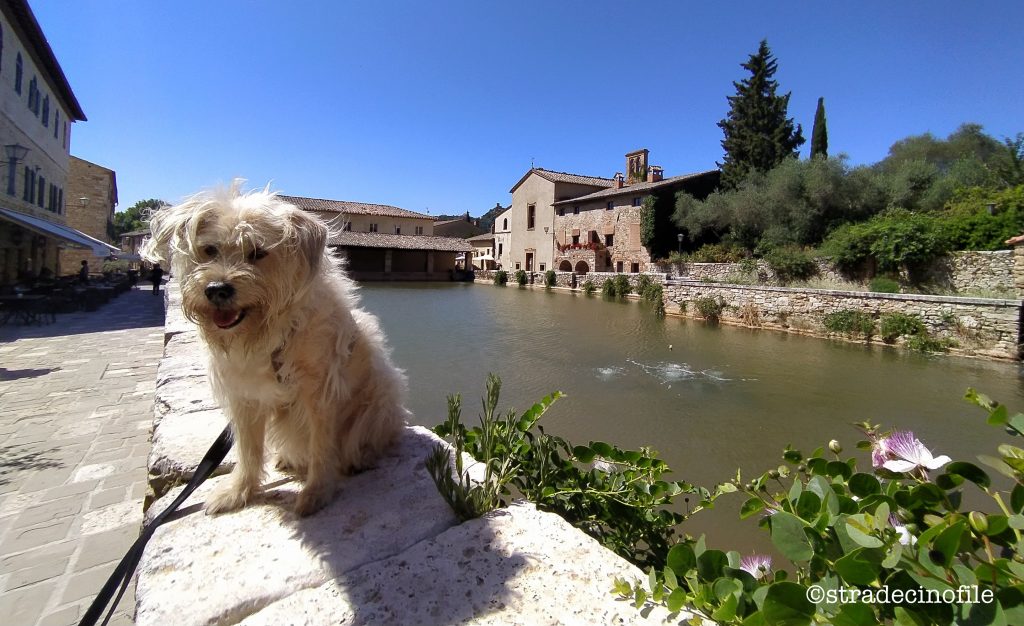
(654, 174)
(618, 180)
(636, 166)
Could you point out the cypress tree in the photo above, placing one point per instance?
(819, 134)
(758, 135)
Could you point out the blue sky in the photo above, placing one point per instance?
(441, 106)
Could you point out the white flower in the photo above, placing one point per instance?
(757, 565)
(906, 538)
(902, 452)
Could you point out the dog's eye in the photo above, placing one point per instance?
(256, 255)
(210, 251)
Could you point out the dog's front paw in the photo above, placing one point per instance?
(227, 498)
(311, 500)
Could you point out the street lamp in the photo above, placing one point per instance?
(680, 238)
(15, 152)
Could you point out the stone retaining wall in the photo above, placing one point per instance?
(388, 549)
(568, 280)
(980, 327)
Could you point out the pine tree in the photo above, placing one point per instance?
(758, 135)
(819, 134)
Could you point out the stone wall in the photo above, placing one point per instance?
(388, 549)
(980, 327)
(958, 272)
(568, 280)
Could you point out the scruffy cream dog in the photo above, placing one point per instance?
(293, 360)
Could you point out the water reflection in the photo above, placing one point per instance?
(709, 399)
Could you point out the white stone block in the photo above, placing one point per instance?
(201, 569)
(511, 566)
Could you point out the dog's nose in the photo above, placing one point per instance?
(219, 293)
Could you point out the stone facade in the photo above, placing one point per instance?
(37, 109)
(92, 191)
(979, 327)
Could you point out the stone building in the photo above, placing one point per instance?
(92, 191)
(463, 227)
(381, 242)
(483, 251)
(502, 230)
(37, 110)
(570, 222)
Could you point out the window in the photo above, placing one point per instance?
(60, 200)
(17, 74)
(609, 240)
(33, 95)
(634, 268)
(618, 267)
(636, 200)
(575, 210)
(373, 228)
(42, 187)
(517, 266)
(499, 248)
(56, 122)
(561, 211)
(27, 184)
(609, 206)
(531, 216)
(504, 224)
(575, 239)
(46, 111)
(542, 267)
(398, 230)
(419, 230)
(347, 227)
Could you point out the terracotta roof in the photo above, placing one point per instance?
(483, 237)
(21, 14)
(1015, 240)
(565, 177)
(635, 188)
(352, 208)
(399, 242)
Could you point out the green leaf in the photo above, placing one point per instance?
(863, 485)
(906, 617)
(998, 416)
(583, 454)
(787, 534)
(859, 528)
(1016, 521)
(838, 468)
(1017, 499)
(671, 582)
(786, 604)
(675, 600)
(681, 559)
(948, 541)
(1012, 601)
(600, 448)
(711, 565)
(640, 597)
(855, 614)
(808, 506)
(892, 559)
(727, 610)
(753, 506)
(969, 471)
(860, 567)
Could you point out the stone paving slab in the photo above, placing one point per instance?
(76, 409)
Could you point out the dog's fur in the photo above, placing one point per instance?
(293, 360)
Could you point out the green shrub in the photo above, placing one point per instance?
(884, 284)
(654, 294)
(500, 277)
(549, 278)
(894, 239)
(622, 288)
(791, 263)
(589, 288)
(927, 343)
(710, 308)
(643, 283)
(850, 322)
(110, 267)
(717, 253)
(521, 277)
(608, 288)
(895, 325)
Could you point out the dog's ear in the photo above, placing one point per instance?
(310, 236)
(167, 228)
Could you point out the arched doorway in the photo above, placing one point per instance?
(582, 267)
(565, 266)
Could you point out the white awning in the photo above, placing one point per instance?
(486, 257)
(74, 237)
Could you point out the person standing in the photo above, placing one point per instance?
(156, 275)
(83, 274)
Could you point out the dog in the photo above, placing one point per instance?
(294, 361)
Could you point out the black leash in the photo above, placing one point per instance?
(122, 574)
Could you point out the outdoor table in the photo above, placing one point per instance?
(23, 307)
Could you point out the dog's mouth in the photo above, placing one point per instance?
(227, 318)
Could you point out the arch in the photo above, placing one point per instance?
(565, 266)
(582, 267)
(504, 224)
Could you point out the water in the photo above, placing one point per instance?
(709, 399)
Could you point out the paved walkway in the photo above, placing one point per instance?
(76, 411)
